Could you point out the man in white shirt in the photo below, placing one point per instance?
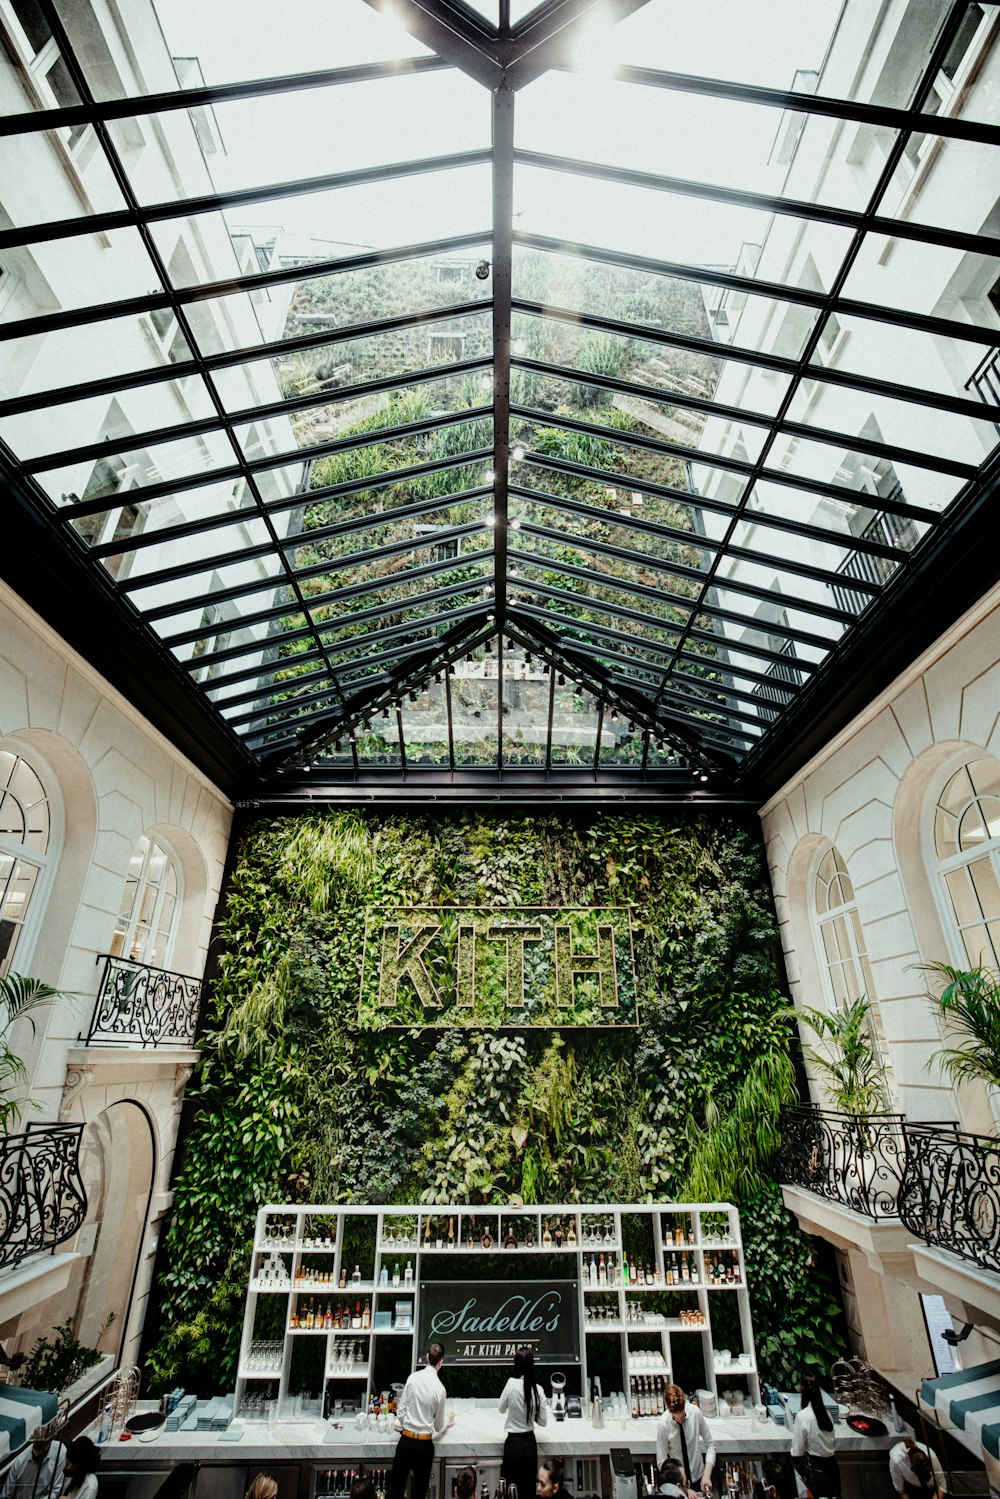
(682, 1433)
(420, 1421)
(36, 1473)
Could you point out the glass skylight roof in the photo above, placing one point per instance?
(444, 386)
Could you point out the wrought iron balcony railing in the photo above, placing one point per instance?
(950, 1192)
(854, 1159)
(142, 1006)
(42, 1197)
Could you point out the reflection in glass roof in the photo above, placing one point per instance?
(493, 386)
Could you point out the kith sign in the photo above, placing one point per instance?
(515, 966)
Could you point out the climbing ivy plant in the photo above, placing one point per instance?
(292, 1101)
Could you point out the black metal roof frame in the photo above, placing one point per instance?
(610, 645)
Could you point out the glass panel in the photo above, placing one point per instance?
(903, 423)
(107, 269)
(24, 806)
(971, 832)
(425, 724)
(661, 225)
(921, 361)
(985, 778)
(57, 429)
(574, 725)
(356, 361)
(332, 225)
(623, 124)
(987, 890)
(840, 465)
(311, 556)
(646, 415)
(74, 189)
(946, 183)
(98, 351)
(202, 42)
(785, 46)
(251, 142)
(938, 279)
(474, 713)
(348, 297)
(657, 301)
(378, 743)
(659, 366)
(621, 742)
(525, 712)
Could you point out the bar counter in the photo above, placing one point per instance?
(476, 1435)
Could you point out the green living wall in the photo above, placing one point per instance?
(291, 1101)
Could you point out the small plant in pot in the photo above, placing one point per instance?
(849, 1066)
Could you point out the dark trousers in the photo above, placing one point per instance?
(821, 1475)
(520, 1463)
(412, 1456)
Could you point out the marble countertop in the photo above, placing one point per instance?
(477, 1433)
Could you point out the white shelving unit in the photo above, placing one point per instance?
(298, 1256)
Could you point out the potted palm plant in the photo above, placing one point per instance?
(19, 997)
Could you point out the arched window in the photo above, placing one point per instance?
(149, 906)
(25, 830)
(841, 938)
(967, 844)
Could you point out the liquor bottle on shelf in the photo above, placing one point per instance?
(669, 1273)
(427, 1233)
(602, 1273)
(470, 1239)
(451, 1233)
(658, 1273)
(486, 1241)
(626, 1273)
(484, 1492)
(685, 1270)
(366, 1316)
(546, 1236)
(592, 1271)
(501, 1492)
(383, 1278)
(571, 1234)
(395, 1275)
(408, 1274)
(293, 1320)
(558, 1235)
(356, 1315)
(679, 1234)
(510, 1238)
(649, 1275)
(342, 1283)
(634, 1396)
(695, 1274)
(690, 1235)
(328, 1316)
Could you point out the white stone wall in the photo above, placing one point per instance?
(111, 778)
(871, 793)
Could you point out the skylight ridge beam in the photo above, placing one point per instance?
(503, 224)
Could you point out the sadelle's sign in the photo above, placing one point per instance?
(485, 1322)
(498, 966)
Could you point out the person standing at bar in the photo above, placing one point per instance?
(420, 1421)
(683, 1434)
(813, 1445)
(524, 1404)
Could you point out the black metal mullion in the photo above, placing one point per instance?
(864, 224)
(182, 369)
(207, 291)
(844, 540)
(844, 218)
(448, 711)
(179, 208)
(760, 359)
(136, 106)
(721, 461)
(770, 290)
(656, 595)
(246, 415)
